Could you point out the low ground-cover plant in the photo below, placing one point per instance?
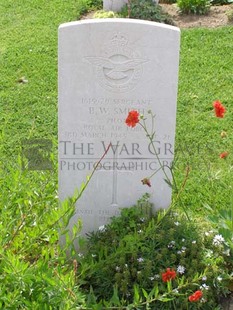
(199, 7)
(146, 10)
(140, 259)
(124, 260)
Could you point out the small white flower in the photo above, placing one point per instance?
(80, 255)
(207, 233)
(138, 272)
(180, 269)
(157, 276)
(140, 231)
(194, 242)
(126, 265)
(93, 255)
(227, 252)
(118, 268)
(183, 249)
(140, 259)
(209, 253)
(142, 219)
(176, 291)
(171, 244)
(204, 287)
(218, 239)
(179, 252)
(204, 278)
(177, 223)
(219, 278)
(151, 278)
(203, 300)
(102, 228)
(183, 240)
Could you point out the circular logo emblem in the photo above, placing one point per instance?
(120, 68)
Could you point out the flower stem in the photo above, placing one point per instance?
(91, 175)
(151, 136)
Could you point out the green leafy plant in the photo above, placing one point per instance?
(199, 7)
(141, 259)
(147, 10)
(85, 6)
(35, 273)
(220, 2)
(40, 276)
(105, 14)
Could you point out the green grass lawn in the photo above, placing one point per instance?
(205, 76)
(28, 32)
(29, 49)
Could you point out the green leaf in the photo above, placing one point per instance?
(145, 293)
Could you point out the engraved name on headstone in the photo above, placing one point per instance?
(107, 68)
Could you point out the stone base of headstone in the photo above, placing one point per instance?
(116, 5)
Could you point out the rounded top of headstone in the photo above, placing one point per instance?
(120, 21)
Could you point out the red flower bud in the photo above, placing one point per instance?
(146, 181)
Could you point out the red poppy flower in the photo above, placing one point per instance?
(219, 109)
(168, 275)
(146, 181)
(223, 154)
(196, 296)
(132, 118)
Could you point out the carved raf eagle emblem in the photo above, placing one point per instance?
(113, 69)
(120, 68)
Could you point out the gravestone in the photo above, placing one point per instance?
(107, 68)
(114, 5)
(117, 5)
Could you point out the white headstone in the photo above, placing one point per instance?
(106, 69)
(114, 5)
(117, 5)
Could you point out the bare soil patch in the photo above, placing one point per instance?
(216, 17)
